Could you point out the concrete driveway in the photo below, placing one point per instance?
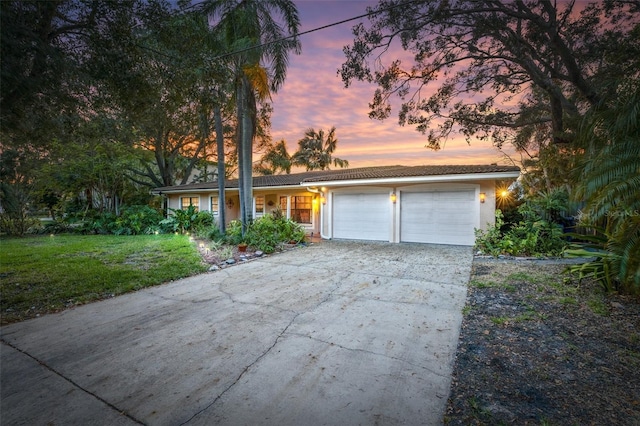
(339, 333)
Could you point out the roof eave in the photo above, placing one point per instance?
(255, 188)
(417, 179)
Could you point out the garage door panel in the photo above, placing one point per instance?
(445, 217)
(361, 216)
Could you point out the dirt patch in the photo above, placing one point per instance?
(537, 348)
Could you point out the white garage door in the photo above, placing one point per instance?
(438, 217)
(361, 216)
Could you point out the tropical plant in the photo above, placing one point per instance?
(315, 151)
(267, 233)
(603, 266)
(234, 233)
(609, 183)
(188, 220)
(261, 46)
(136, 220)
(275, 159)
(531, 236)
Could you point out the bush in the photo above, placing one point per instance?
(200, 224)
(234, 233)
(267, 233)
(136, 220)
(57, 226)
(133, 220)
(490, 241)
(94, 222)
(532, 236)
(12, 225)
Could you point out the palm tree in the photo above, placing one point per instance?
(609, 182)
(260, 48)
(315, 151)
(275, 159)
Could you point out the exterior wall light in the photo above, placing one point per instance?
(394, 197)
(483, 197)
(323, 200)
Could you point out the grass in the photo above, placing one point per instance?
(47, 274)
(493, 284)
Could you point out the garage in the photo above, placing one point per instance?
(361, 216)
(442, 217)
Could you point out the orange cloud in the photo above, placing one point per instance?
(314, 96)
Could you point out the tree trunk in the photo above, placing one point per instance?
(221, 170)
(245, 151)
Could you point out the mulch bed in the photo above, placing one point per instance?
(537, 348)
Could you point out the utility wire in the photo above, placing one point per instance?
(246, 49)
(374, 12)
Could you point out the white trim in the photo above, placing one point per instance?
(416, 179)
(211, 197)
(255, 203)
(372, 181)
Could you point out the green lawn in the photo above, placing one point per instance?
(47, 274)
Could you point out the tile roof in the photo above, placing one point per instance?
(379, 172)
(408, 171)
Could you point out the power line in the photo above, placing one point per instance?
(374, 12)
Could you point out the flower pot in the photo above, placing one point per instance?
(242, 247)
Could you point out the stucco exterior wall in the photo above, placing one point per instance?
(488, 208)
(232, 207)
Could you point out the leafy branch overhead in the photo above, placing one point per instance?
(492, 69)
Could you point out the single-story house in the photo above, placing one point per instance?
(426, 204)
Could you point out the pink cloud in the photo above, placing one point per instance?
(314, 96)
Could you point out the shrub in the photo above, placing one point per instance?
(532, 236)
(234, 232)
(136, 220)
(57, 226)
(208, 232)
(267, 233)
(490, 241)
(11, 225)
(605, 265)
(94, 222)
(188, 220)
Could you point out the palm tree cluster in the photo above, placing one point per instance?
(315, 152)
(259, 66)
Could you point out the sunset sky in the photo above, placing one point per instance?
(314, 96)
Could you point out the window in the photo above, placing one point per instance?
(260, 205)
(283, 204)
(214, 205)
(185, 202)
(301, 209)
